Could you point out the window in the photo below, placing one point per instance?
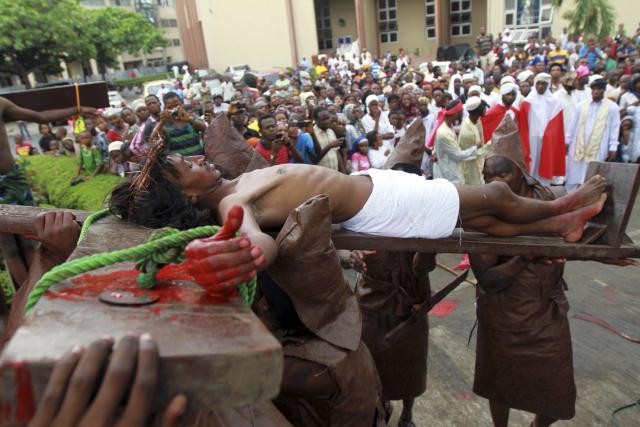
(323, 25)
(388, 21)
(176, 42)
(527, 13)
(460, 17)
(430, 19)
(166, 2)
(120, 2)
(92, 2)
(345, 40)
(168, 23)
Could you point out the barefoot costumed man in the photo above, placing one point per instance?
(523, 354)
(185, 192)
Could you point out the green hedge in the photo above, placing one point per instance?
(139, 81)
(50, 176)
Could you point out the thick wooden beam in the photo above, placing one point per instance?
(470, 242)
(19, 220)
(220, 354)
(52, 98)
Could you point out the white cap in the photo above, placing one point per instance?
(508, 88)
(507, 79)
(473, 102)
(542, 77)
(115, 146)
(468, 76)
(595, 77)
(370, 99)
(524, 75)
(475, 88)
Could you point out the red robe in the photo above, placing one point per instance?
(552, 160)
(494, 116)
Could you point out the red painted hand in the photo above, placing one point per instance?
(221, 262)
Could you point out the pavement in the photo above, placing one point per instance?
(606, 366)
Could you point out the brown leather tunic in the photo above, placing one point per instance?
(327, 330)
(524, 356)
(388, 292)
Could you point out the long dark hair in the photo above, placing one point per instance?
(163, 204)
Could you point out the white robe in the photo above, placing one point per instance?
(576, 171)
(544, 109)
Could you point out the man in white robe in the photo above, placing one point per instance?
(543, 147)
(592, 135)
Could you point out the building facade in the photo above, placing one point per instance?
(160, 12)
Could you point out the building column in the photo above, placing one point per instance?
(360, 27)
(440, 27)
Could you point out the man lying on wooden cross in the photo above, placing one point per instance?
(186, 192)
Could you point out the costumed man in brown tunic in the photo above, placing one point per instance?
(524, 355)
(389, 286)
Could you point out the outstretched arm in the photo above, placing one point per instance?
(221, 262)
(10, 111)
(13, 112)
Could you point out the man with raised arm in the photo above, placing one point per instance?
(14, 189)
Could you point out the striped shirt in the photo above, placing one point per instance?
(183, 140)
(484, 44)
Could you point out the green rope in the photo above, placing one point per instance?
(90, 220)
(164, 246)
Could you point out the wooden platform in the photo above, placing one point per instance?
(19, 220)
(220, 354)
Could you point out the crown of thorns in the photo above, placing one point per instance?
(142, 180)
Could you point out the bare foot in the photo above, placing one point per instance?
(587, 194)
(574, 221)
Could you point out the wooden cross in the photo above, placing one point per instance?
(53, 98)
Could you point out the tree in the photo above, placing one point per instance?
(36, 35)
(590, 17)
(114, 31)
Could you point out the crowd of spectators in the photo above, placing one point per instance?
(348, 113)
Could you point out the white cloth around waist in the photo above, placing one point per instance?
(407, 205)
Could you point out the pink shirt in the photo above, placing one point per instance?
(359, 162)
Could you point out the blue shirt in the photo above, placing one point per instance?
(304, 144)
(592, 56)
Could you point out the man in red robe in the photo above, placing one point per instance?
(543, 145)
(494, 115)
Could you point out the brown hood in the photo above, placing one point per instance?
(225, 146)
(308, 271)
(506, 143)
(410, 148)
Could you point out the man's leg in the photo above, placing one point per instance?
(497, 200)
(542, 421)
(569, 225)
(499, 414)
(406, 417)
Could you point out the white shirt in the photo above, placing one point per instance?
(227, 91)
(377, 158)
(491, 99)
(568, 106)
(478, 74)
(384, 126)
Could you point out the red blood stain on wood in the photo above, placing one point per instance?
(25, 401)
(444, 308)
(169, 287)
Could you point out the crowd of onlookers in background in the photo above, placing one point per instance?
(349, 113)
